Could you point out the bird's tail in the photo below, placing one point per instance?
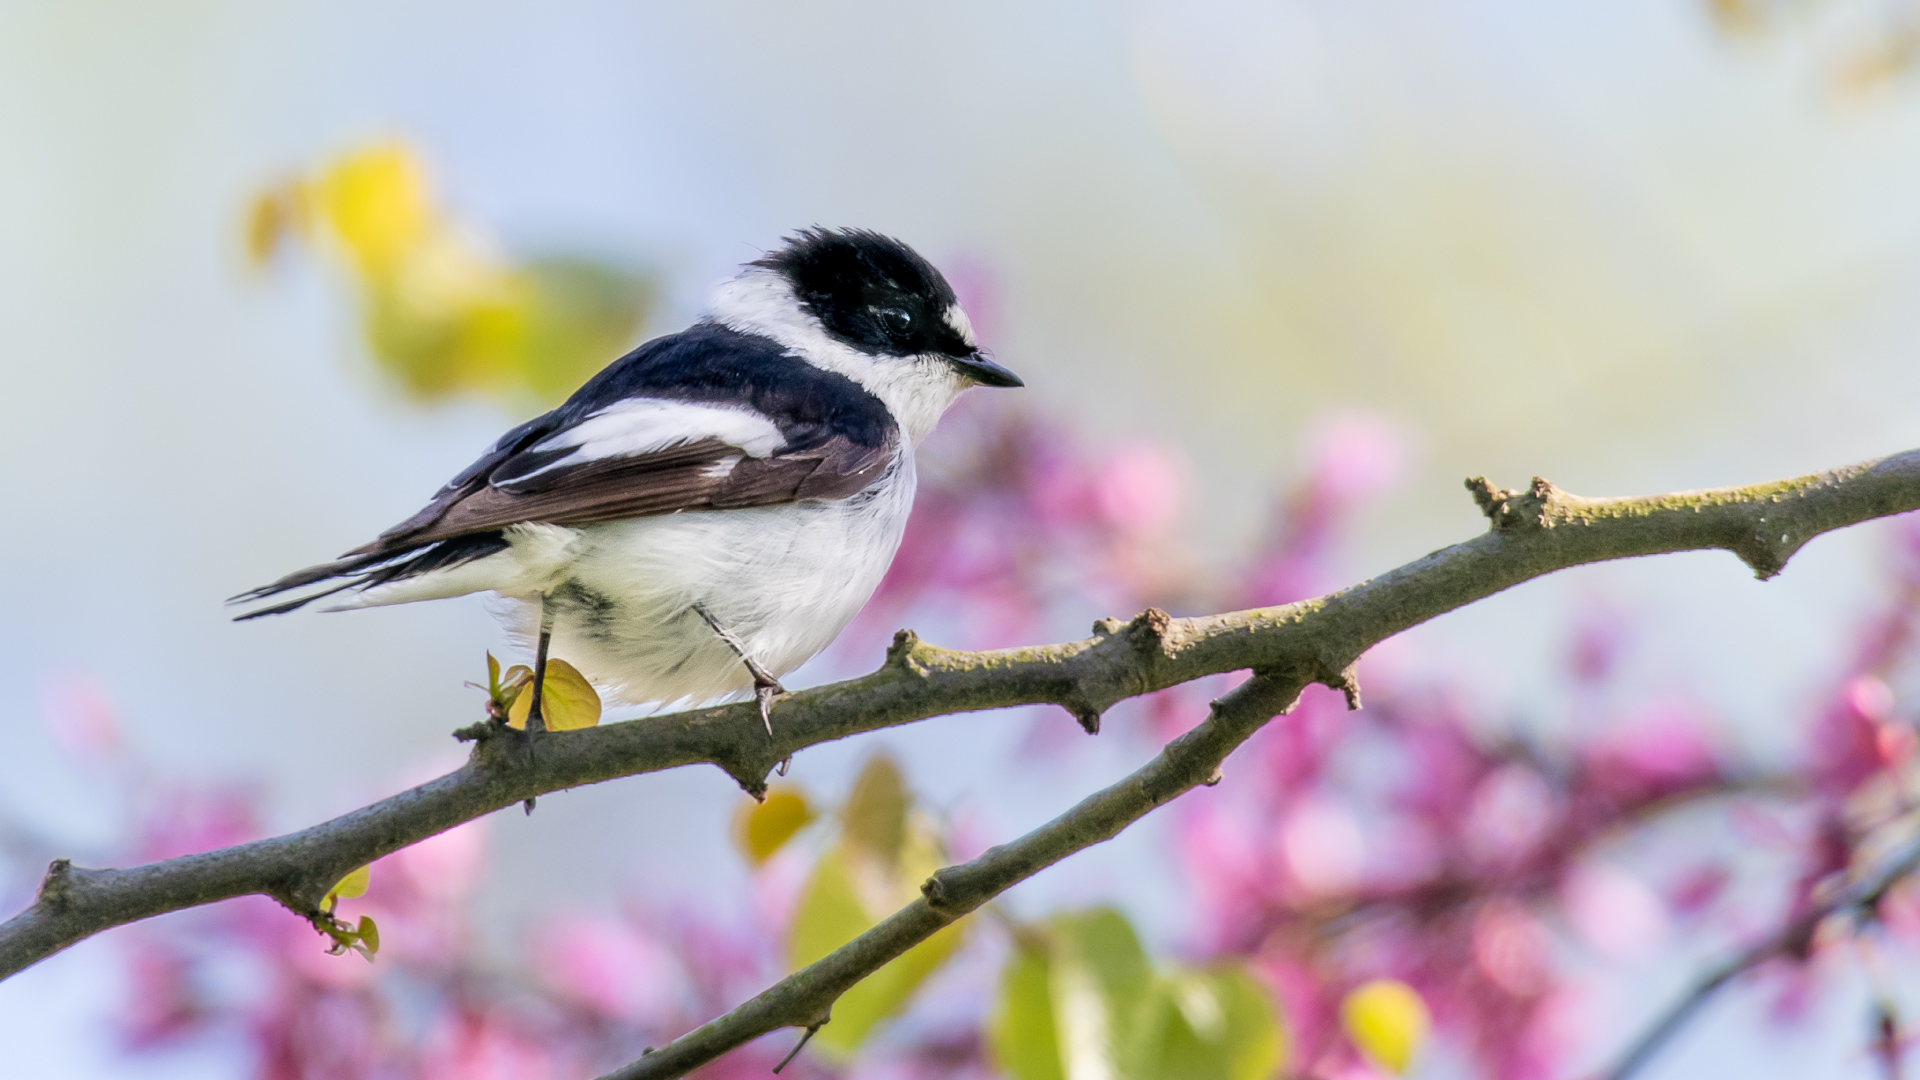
(363, 571)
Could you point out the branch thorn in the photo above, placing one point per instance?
(801, 1045)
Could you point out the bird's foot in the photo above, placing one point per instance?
(765, 689)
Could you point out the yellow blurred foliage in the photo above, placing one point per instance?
(1387, 1021)
(441, 311)
(761, 829)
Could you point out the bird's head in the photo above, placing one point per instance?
(878, 296)
(868, 307)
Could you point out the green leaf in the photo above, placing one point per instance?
(831, 914)
(1218, 1024)
(874, 818)
(1100, 983)
(886, 992)
(369, 935)
(1079, 998)
(1070, 997)
(1020, 1031)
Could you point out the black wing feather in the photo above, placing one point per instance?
(839, 439)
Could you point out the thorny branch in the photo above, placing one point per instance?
(1288, 647)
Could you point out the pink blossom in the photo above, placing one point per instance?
(186, 820)
(1698, 889)
(1139, 489)
(1663, 749)
(1323, 847)
(1354, 455)
(445, 867)
(1614, 910)
(80, 713)
(1512, 810)
(483, 1046)
(1512, 948)
(160, 1002)
(609, 965)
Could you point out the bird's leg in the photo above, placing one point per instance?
(536, 719)
(765, 686)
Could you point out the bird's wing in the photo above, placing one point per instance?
(647, 456)
(706, 419)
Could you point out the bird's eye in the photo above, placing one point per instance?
(896, 320)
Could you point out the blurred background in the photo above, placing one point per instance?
(270, 274)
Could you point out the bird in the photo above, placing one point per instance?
(711, 510)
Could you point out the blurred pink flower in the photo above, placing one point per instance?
(444, 867)
(1698, 889)
(1323, 847)
(80, 713)
(483, 1046)
(1662, 749)
(1140, 487)
(160, 1003)
(1353, 455)
(1511, 947)
(186, 820)
(1599, 637)
(1613, 909)
(609, 965)
(1512, 810)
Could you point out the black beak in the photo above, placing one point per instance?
(981, 369)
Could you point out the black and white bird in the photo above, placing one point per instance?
(711, 510)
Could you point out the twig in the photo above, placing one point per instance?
(1859, 897)
(805, 1038)
(1534, 532)
(1183, 764)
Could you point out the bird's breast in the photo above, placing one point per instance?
(785, 580)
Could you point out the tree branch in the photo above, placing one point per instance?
(1795, 938)
(1534, 533)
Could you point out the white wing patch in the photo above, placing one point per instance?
(639, 426)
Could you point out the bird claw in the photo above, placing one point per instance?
(765, 689)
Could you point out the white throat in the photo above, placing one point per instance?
(916, 390)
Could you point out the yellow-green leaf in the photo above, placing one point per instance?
(354, 884)
(1093, 981)
(1079, 998)
(831, 914)
(369, 935)
(1020, 1030)
(874, 819)
(763, 828)
(568, 701)
(1387, 1021)
(886, 992)
(1209, 1025)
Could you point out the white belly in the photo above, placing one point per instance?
(784, 579)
